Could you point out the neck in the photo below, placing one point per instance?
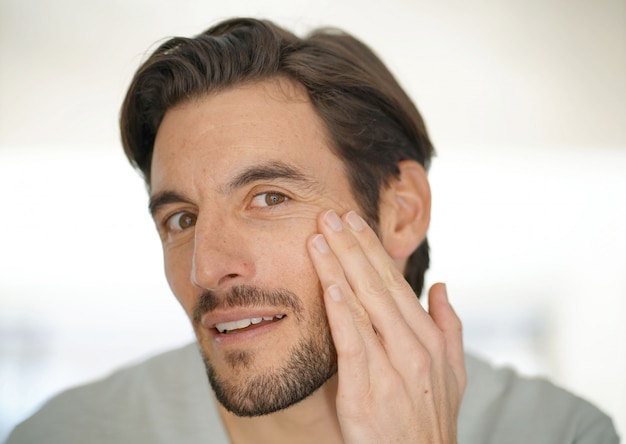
(312, 420)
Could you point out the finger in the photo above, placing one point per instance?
(352, 356)
(428, 351)
(364, 278)
(379, 284)
(392, 277)
(449, 323)
(405, 357)
(355, 340)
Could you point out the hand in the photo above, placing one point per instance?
(401, 371)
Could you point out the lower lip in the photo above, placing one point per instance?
(238, 338)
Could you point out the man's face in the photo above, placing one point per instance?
(238, 180)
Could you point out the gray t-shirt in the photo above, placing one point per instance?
(167, 399)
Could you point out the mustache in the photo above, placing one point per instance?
(245, 296)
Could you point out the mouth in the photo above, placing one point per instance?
(247, 324)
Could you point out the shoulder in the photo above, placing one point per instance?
(501, 406)
(156, 400)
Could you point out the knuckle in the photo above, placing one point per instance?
(421, 361)
(459, 326)
(390, 385)
(371, 286)
(350, 352)
(361, 317)
(352, 246)
(396, 284)
(391, 274)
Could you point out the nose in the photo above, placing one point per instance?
(220, 256)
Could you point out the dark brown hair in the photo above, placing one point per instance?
(372, 123)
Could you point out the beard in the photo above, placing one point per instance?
(312, 361)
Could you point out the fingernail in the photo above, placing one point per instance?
(445, 292)
(355, 221)
(333, 220)
(334, 292)
(320, 244)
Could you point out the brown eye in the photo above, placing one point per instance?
(274, 198)
(269, 199)
(181, 221)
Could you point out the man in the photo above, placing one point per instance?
(287, 182)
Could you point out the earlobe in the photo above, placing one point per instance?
(405, 211)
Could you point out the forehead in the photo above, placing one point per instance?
(271, 120)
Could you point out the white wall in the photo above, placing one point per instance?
(525, 102)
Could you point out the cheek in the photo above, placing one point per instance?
(276, 252)
(178, 274)
(281, 256)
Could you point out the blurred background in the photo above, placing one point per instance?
(525, 102)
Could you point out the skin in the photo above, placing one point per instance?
(401, 373)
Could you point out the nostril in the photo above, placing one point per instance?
(227, 278)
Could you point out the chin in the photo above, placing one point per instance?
(248, 392)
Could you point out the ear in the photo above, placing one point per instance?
(405, 211)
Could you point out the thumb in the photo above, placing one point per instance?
(449, 323)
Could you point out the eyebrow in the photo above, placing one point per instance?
(159, 200)
(268, 171)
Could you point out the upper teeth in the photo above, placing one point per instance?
(243, 323)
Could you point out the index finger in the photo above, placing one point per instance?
(400, 290)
